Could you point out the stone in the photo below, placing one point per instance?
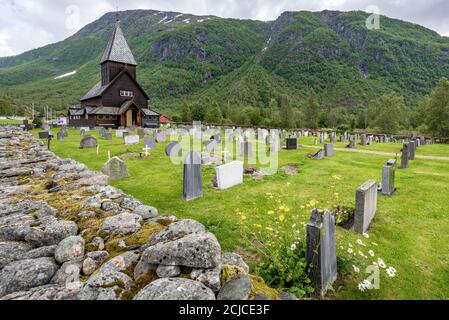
(170, 289)
(60, 135)
(275, 146)
(141, 133)
(193, 177)
(328, 150)
(98, 256)
(388, 179)
(41, 252)
(211, 145)
(351, 144)
(11, 251)
(47, 293)
(88, 142)
(146, 212)
(123, 224)
(150, 143)
(233, 259)
(216, 137)
(168, 271)
(161, 137)
(98, 242)
(246, 149)
(229, 175)
(236, 289)
(106, 285)
(405, 156)
(119, 133)
(89, 266)
(143, 267)
(319, 155)
(23, 275)
(43, 135)
(173, 149)
(365, 206)
(197, 250)
(285, 296)
(121, 262)
(291, 143)
(69, 273)
(107, 136)
(363, 140)
(51, 232)
(412, 150)
(71, 248)
(321, 252)
(209, 277)
(116, 169)
(132, 140)
(177, 230)
(109, 206)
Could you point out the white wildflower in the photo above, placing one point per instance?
(350, 251)
(356, 269)
(371, 253)
(391, 272)
(381, 263)
(366, 235)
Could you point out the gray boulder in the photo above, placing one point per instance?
(106, 285)
(123, 224)
(51, 232)
(23, 275)
(209, 277)
(89, 266)
(41, 252)
(109, 206)
(11, 251)
(175, 289)
(68, 274)
(88, 142)
(47, 293)
(146, 212)
(98, 255)
(168, 271)
(233, 259)
(71, 248)
(236, 289)
(176, 230)
(198, 250)
(116, 169)
(121, 262)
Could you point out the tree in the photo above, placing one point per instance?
(254, 115)
(186, 113)
(388, 113)
(435, 109)
(214, 114)
(199, 112)
(5, 108)
(312, 110)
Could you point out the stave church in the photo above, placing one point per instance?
(117, 100)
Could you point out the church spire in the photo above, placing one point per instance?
(118, 49)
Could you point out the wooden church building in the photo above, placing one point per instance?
(117, 100)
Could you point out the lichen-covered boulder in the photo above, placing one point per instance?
(106, 285)
(41, 252)
(172, 289)
(116, 169)
(23, 275)
(88, 142)
(71, 248)
(146, 212)
(168, 271)
(236, 289)
(233, 259)
(47, 293)
(122, 262)
(176, 230)
(209, 277)
(51, 232)
(123, 224)
(68, 274)
(11, 251)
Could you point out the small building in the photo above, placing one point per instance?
(61, 120)
(117, 100)
(164, 119)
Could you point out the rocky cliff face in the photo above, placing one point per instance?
(65, 234)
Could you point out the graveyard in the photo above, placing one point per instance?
(408, 232)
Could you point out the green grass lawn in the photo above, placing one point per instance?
(10, 122)
(410, 228)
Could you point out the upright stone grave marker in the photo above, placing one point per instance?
(229, 175)
(116, 169)
(246, 149)
(328, 150)
(131, 140)
(388, 178)
(319, 155)
(173, 149)
(107, 136)
(141, 133)
(365, 206)
(291, 143)
(43, 135)
(211, 145)
(150, 142)
(322, 138)
(363, 141)
(321, 251)
(82, 133)
(119, 133)
(405, 156)
(102, 132)
(412, 150)
(193, 177)
(161, 137)
(88, 142)
(60, 135)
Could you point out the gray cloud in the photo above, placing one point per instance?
(28, 24)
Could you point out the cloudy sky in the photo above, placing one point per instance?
(28, 24)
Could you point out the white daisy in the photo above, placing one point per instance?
(371, 253)
(381, 263)
(391, 272)
(366, 235)
(356, 269)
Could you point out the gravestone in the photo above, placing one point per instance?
(322, 138)
(246, 149)
(60, 135)
(363, 140)
(82, 133)
(321, 251)
(412, 150)
(328, 150)
(365, 206)
(351, 144)
(319, 155)
(211, 145)
(116, 169)
(65, 132)
(229, 175)
(45, 127)
(275, 146)
(119, 133)
(216, 137)
(131, 140)
(107, 136)
(43, 135)
(332, 137)
(150, 143)
(193, 177)
(388, 179)
(161, 137)
(102, 132)
(291, 143)
(173, 149)
(125, 134)
(405, 156)
(88, 142)
(141, 133)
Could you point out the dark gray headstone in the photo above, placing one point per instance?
(43, 135)
(405, 156)
(88, 142)
(351, 144)
(161, 137)
(412, 150)
(193, 177)
(108, 136)
(329, 150)
(60, 135)
(246, 149)
(391, 162)
(321, 252)
(365, 206)
(363, 140)
(216, 137)
(173, 149)
(291, 143)
(388, 178)
(102, 132)
(150, 142)
(211, 145)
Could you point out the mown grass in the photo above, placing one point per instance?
(410, 228)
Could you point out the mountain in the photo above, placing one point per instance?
(184, 57)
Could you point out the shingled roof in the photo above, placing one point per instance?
(118, 49)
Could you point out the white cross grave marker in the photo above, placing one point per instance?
(146, 149)
(225, 153)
